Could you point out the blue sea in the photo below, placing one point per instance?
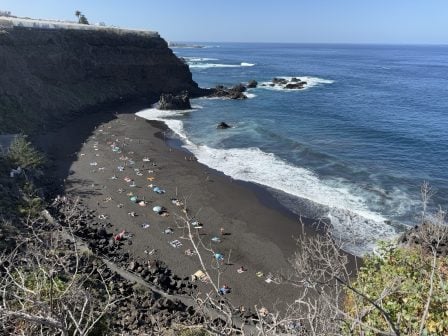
(353, 146)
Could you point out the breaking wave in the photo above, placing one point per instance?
(310, 82)
(352, 221)
(218, 65)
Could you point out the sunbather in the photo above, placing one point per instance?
(224, 290)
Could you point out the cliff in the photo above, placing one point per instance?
(52, 71)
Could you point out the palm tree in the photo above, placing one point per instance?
(78, 14)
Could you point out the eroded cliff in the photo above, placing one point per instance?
(48, 74)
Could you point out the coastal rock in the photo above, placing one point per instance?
(235, 92)
(223, 125)
(281, 81)
(295, 85)
(252, 84)
(428, 236)
(169, 101)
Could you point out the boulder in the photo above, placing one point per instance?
(280, 81)
(295, 85)
(223, 125)
(169, 101)
(428, 236)
(252, 84)
(235, 92)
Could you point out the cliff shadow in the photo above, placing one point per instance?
(62, 144)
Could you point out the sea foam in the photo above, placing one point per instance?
(310, 82)
(352, 221)
(218, 65)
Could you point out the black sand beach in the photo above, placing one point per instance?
(259, 234)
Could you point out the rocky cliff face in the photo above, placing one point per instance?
(53, 73)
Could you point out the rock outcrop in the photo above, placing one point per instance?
(169, 101)
(429, 237)
(223, 125)
(48, 74)
(288, 84)
(235, 92)
(252, 84)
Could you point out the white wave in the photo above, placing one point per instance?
(310, 82)
(161, 115)
(218, 65)
(353, 222)
(200, 59)
(250, 95)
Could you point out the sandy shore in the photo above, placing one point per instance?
(260, 233)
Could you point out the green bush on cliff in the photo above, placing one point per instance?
(23, 154)
(399, 282)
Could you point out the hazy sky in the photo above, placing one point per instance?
(352, 21)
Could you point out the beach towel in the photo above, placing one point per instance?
(175, 243)
(190, 252)
(119, 236)
(145, 225)
(157, 208)
(199, 275)
(157, 190)
(176, 202)
(196, 224)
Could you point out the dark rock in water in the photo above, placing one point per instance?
(223, 125)
(252, 84)
(235, 92)
(169, 101)
(280, 81)
(238, 88)
(295, 85)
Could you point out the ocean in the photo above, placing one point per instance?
(353, 146)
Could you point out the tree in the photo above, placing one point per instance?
(83, 20)
(81, 17)
(23, 154)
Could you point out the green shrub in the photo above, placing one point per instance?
(23, 154)
(405, 272)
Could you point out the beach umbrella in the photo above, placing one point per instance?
(157, 208)
(133, 199)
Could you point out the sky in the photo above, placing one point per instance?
(301, 21)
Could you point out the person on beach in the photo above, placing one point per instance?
(224, 290)
(221, 230)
